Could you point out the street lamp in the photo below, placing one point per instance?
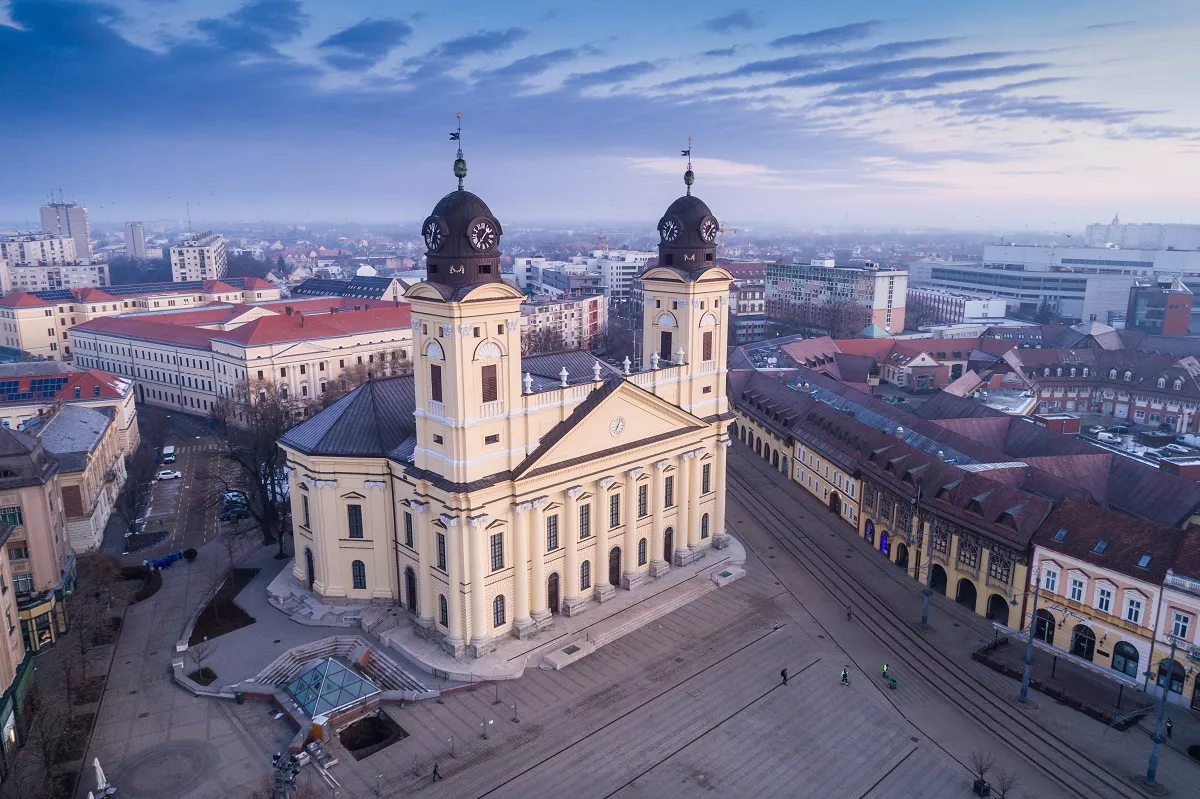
(1029, 643)
(916, 505)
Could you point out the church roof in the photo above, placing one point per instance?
(371, 421)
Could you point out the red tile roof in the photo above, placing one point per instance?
(258, 283)
(298, 327)
(1127, 539)
(217, 285)
(22, 299)
(92, 294)
(86, 380)
(148, 328)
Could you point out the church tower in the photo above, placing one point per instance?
(466, 344)
(685, 321)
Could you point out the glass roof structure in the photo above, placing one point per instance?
(328, 687)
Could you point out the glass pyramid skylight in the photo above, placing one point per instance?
(329, 686)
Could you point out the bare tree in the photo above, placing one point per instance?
(201, 652)
(980, 763)
(536, 340)
(134, 495)
(153, 424)
(1005, 783)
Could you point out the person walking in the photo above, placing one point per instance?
(783, 674)
(885, 671)
(437, 775)
(1170, 727)
(845, 677)
(849, 613)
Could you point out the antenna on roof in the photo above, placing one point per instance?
(689, 177)
(460, 163)
(189, 216)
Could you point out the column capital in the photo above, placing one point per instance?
(574, 491)
(541, 502)
(605, 482)
(699, 452)
(661, 466)
(522, 507)
(724, 443)
(687, 456)
(478, 521)
(418, 507)
(448, 520)
(635, 472)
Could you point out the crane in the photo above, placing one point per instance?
(721, 244)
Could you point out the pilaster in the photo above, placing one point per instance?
(631, 578)
(720, 534)
(454, 643)
(424, 626)
(572, 602)
(481, 639)
(658, 563)
(604, 590)
(537, 553)
(523, 622)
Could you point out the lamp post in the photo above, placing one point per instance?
(1152, 766)
(916, 504)
(1029, 642)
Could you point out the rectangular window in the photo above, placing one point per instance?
(497, 552)
(706, 478)
(614, 510)
(708, 346)
(488, 376)
(552, 532)
(1051, 582)
(12, 515)
(1133, 610)
(354, 514)
(408, 529)
(642, 492)
(1181, 624)
(23, 583)
(492, 439)
(435, 382)
(669, 491)
(585, 521)
(437, 439)
(1076, 589)
(1104, 600)
(441, 551)
(304, 507)
(18, 553)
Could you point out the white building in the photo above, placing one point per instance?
(1149, 236)
(617, 269)
(199, 257)
(38, 249)
(580, 321)
(70, 220)
(135, 240)
(811, 293)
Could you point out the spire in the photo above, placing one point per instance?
(460, 164)
(689, 177)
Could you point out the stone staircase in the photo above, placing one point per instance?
(380, 669)
(299, 604)
(378, 620)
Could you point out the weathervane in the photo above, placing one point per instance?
(689, 177)
(460, 164)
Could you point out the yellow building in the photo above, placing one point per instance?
(488, 491)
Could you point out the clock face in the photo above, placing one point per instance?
(482, 234)
(669, 229)
(617, 426)
(709, 229)
(432, 231)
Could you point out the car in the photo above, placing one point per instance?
(1119, 430)
(1178, 450)
(1096, 429)
(168, 474)
(234, 513)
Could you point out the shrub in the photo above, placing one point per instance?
(189, 555)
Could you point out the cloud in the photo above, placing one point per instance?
(256, 27)
(882, 69)
(479, 43)
(528, 67)
(739, 20)
(1001, 103)
(1158, 132)
(723, 53)
(364, 44)
(617, 74)
(828, 37)
(935, 79)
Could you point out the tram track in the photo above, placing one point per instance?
(1075, 772)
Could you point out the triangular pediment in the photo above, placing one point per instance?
(593, 430)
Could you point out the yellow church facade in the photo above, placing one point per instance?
(488, 492)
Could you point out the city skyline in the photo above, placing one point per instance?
(279, 110)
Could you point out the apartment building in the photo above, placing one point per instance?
(818, 292)
(617, 270)
(39, 322)
(185, 361)
(38, 249)
(91, 469)
(932, 306)
(199, 257)
(747, 302)
(31, 391)
(49, 278)
(69, 220)
(579, 321)
(135, 240)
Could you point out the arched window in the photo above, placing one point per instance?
(488, 349)
(704, 526)
(434, 350)
(1162, 382)
(1128, 375)
(1178, 384)
(1112, 374)
(708, 320)
(666, 320)
(1085, 371)
(1171, 674)
(642, 552)
(1058, 372)
(443, 611)
(358, 571)
(585, 575)
(1072, 371)
(1125, 658)
(498, 611)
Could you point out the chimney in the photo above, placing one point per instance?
(287, 309)
(301, 319)
(900, 433)
(941, 456)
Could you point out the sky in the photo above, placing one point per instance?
(938, 113)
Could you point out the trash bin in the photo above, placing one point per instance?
(982, 788)
(891, 682)
(239, 697)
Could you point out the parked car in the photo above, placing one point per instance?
(1178, 450)
(1119, 430)
(1096, 429)
(234, 513)
(1108, 438)
(167, 474)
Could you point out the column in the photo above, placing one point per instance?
(683, 512)
(631, 578)
(481, 620)
(604, 589)
(521, 513)
(695, 543)
(572, 603)
(537, 569)
(720, 535)
(658, 563)
(453, 642)
(424, 564)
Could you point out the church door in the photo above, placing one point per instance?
(614, 566)
(664, 345)
(310, 570)
(552, 592)
(410, 589)
(668, 544)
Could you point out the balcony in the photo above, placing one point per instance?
(1184, 584)
(490, 410)
(435, 409)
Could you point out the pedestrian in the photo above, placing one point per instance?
(1170, 726)
(437, 775)
(849, 613)
(783, 674)
(845, 677)
(885, 671)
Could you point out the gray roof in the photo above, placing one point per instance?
(24, 368)
(73, 432)
(373, 420)
(545, 369)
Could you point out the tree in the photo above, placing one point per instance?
(281, 267)
(134, 495)
(154, 423)
(245, 266)
(980, 763)
(1046, 313)
(249, 424)
(391, 363)
(537, 340)
(1005, 783)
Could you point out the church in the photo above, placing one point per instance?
(487, 492)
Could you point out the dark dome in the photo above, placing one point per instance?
(455, 256)
(682, 242)
(689, 207)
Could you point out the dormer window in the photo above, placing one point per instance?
(1058, 372)
(975, 507)
(1178, 384)
(1072, 371)
(1085, 371)
(1162, 382)
(1046, 372)
(1112, 374)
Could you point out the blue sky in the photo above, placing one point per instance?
(961, 114)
